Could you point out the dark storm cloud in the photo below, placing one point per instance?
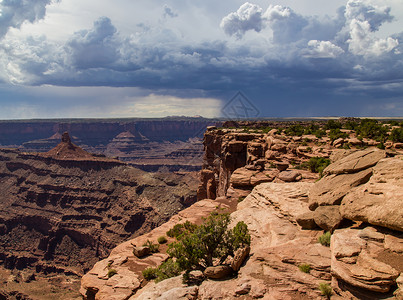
(13, 13)
(309, 64)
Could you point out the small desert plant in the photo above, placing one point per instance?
(112, 272)
(325, 289)
(240, 199)
(306, 268)
(150, 273)
(167, 269)
(324, 239)
(154, 248)
(162, 240)
(209, 241)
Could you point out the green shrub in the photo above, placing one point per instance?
(306, 268)
(324, 239)
(370, 128)
(209, 241)
(112, 272)
(150, 273)
(393, 123)
(332, 124)
(179, 229)
(311, 129)
(319, 133)
(241, 198)
(154, 248)
(351, 125)
(325, 289)
(294, 130)
(162, 240)
(167, 270)
(396, 135)
(315, 164)
(335, 134)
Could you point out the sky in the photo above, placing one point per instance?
(153, 58)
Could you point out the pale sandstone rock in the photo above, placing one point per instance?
(306, 220)
(168, 289)
(380, 201)
(272, 155)
(239, 257)
(241, 177)
(370, 233)
(261, 177)
(354, 141)
(141, 251)
(243, 289)
(328, 217)
(361, 269)
(331, 189)
(340, 153)
(278, 246)
(338, 142)
(282, 165)
(217, 272)
(399, 292)
(394, 244)
(290, 176)
(356, 161)
(94, 282)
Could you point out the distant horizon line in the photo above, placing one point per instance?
(200, 117)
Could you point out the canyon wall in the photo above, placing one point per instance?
(62, 211)
(148, 144)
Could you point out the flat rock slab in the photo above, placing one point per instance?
(356, 161)
(380, 201)
(331, 189)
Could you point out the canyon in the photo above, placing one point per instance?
(63, 210)
(149, 144)
(290, 182)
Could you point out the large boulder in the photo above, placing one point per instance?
(218, 272)
(290, 176)
(380, 201)
(328, 217)
(356, 161)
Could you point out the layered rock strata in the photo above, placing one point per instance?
(63, 210)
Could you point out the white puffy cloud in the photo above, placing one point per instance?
(362, 42)
(13, 13)
(364, 11)
(247, 17)
(323, 49)
(362, 20)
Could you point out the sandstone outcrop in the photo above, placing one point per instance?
(355, 261)
(380, 201)
(357, 161)
(94, 283)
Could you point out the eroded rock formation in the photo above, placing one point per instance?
(62, 211)
(353, 200)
